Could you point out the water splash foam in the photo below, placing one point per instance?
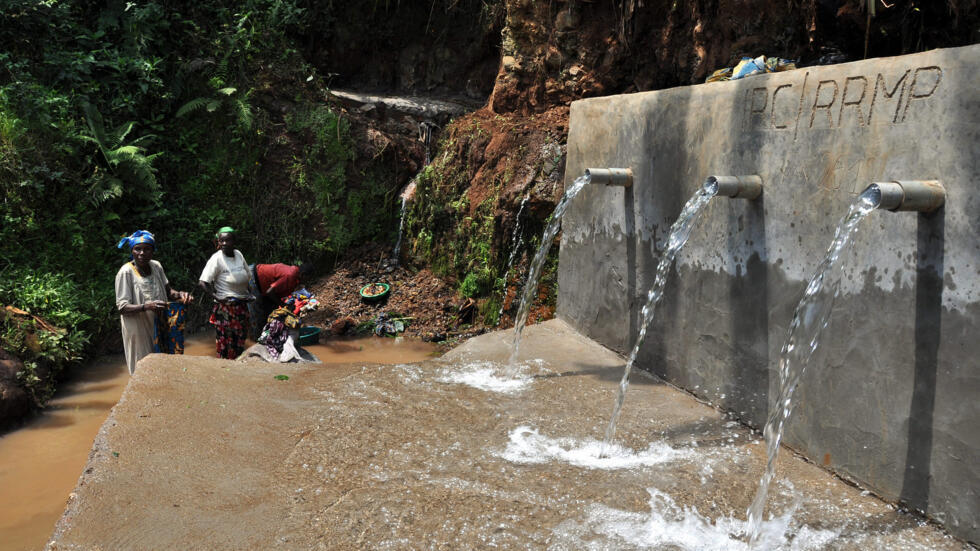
(529, 446)
(671, 526)
(487, 376)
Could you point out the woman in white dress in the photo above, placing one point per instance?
(142, 292)
(225, 278)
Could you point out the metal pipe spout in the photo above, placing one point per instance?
(914, 195)
(622, 177)
(736, 187)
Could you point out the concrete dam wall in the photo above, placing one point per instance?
(890, 398)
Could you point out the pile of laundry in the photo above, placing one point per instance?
(280, 335)
(301, 302)
(752, 66)
(386, 324)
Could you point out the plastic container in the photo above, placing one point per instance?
(377, 295)
(309, 335)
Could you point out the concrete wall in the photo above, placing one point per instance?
(892, 397)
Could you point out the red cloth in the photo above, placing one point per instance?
(283, 277)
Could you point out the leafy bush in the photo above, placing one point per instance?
(490, 310)
(56, 297)
(476, 283)
(45, 351)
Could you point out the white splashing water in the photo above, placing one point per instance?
(809, 320)
(408, 373)
(488, 376)
(528, 446)
(534, 273)
(670, 526)
(680, 231)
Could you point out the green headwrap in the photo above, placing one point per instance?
(224, 229)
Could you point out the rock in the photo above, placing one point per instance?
(552, 87)
(15, 402)
(566, 20)
(553, 59)
(467, 311)
(342, 326)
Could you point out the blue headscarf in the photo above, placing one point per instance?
(141, 236)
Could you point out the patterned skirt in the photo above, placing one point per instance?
(230, 322)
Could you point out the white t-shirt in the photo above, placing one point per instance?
(229, 275)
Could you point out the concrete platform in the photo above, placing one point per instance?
(203, 453)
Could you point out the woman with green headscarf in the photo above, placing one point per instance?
(142, 292)
(225, 278)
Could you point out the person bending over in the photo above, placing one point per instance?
(271, 283)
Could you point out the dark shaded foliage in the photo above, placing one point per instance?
(175, 117)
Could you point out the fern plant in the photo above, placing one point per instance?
(223, 98)
(127, 168)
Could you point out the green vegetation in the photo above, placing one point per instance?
(177, 118)
(465, 243)
(181, 117)
(45, 350)
(450, 236)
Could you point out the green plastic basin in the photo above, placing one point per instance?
(377, 295)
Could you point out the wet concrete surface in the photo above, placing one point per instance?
(204, 453)
(40, 462)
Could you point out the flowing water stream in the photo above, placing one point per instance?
(534, 273)
(809, 319)
(401, 225)
(40, 462)
(680, 231)
(516, 238)
(427, 455)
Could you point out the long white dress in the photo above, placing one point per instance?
(137, 328)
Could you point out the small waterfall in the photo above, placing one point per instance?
(534, 273)
(680, 231)
(516, 239)
(425, 136)
(401, 225)
(809, 319)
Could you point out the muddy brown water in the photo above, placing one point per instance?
(40, 463)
